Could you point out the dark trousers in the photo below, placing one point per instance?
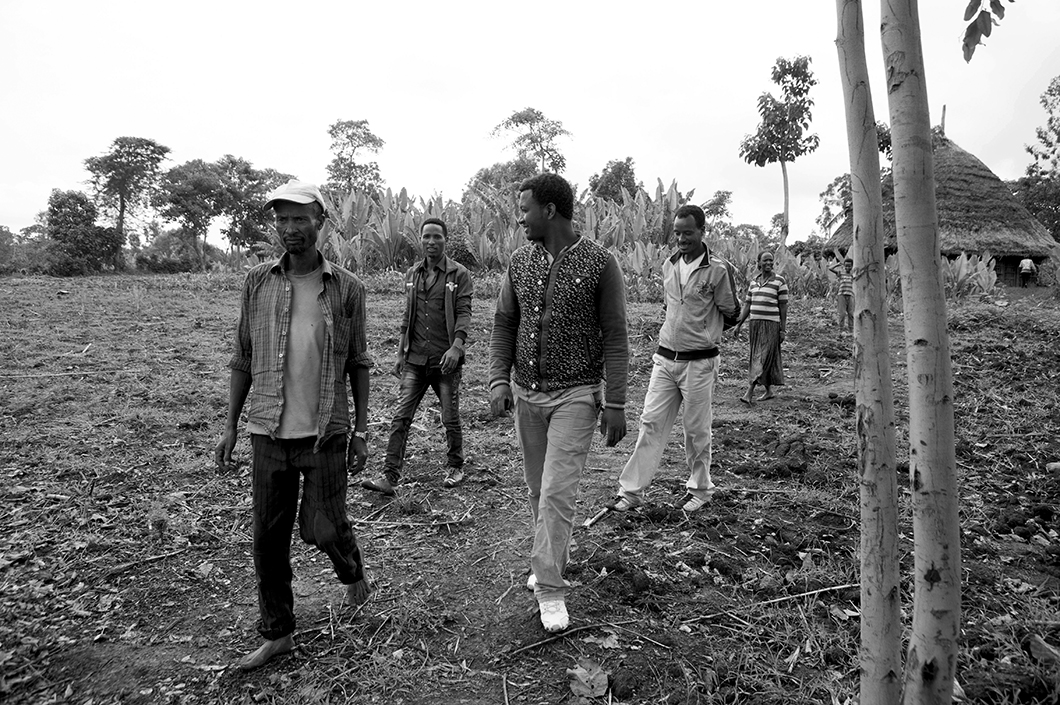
(322, 521)
(414, 383)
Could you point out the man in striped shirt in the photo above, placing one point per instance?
(845, 297)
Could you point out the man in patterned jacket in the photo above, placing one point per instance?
(559, 331)
(700, 292)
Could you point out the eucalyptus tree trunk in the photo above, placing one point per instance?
(880, 656)
(785, 227)
(931, 659)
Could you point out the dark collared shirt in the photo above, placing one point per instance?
(429, 338)
(261, 343)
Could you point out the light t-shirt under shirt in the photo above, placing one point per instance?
(301, 366)
(685, 269)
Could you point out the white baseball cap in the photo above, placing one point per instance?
(296, 192)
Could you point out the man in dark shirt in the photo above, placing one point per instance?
(431, 353)
(301, 332)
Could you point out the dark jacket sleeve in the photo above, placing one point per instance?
(464, 291)
(611, 312)
(502, 338)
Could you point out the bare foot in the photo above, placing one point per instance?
(274, 647)
(746, 399)
(357, 593)
(766, 395)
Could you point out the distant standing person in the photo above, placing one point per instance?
(1027, 270)
(559, 330)
(766, 309)
(301, 332)
(845, 296)
(699, 292)
(430, 353)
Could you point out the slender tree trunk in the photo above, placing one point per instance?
(932, 656)
(784, 226)
(121, 216)
(880, 657)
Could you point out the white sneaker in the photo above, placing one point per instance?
(554, 617)
(694, 503)
(531, 582)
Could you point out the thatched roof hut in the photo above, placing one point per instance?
(977, 213)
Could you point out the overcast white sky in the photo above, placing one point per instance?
(672, 84)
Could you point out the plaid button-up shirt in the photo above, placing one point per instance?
(261, 343)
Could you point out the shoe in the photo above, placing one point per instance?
(382, 485)
(531, 582)
(554, 616)
(624, 503)
(453, 477)
(693, 503)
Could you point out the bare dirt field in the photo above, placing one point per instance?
(125, 567)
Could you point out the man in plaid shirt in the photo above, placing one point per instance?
(301, 333)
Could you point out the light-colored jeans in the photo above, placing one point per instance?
(691, 382)
(555, 442)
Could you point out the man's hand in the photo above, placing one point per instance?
(356, 455)
(782, 334)
(736, 329)
(613, 425)
(501, 400)
(450, 360)
(222, 453)
(399, 367)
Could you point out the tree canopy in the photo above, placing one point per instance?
(79, 246)
(193, 194)
(123, 177)
(535, 138)
(615, 176)
(347, 170)
(1047, 152)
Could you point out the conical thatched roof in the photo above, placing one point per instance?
(977, 212)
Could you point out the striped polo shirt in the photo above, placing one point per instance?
(765, 297)
(846, 284)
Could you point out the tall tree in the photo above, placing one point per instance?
(193, 194)
(931, 658)
(79, 245)
(1047, 152)
(243, 191)
(535, 138)
(781, 136)
(350, 139)
(503, 176)
(123, 177)
(880, 656)
(1039, 192)
(615, 176)
(717, 209)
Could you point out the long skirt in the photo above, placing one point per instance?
(765, 368)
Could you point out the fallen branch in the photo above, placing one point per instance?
(599, 515)
(61, 374)
(559, 636)
(433, 524)
(770, 602)
(125, 566)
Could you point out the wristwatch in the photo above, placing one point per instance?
(361, 434)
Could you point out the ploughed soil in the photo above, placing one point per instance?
(125, 566)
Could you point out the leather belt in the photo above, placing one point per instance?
(689, 355)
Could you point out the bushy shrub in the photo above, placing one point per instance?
(164, 265)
